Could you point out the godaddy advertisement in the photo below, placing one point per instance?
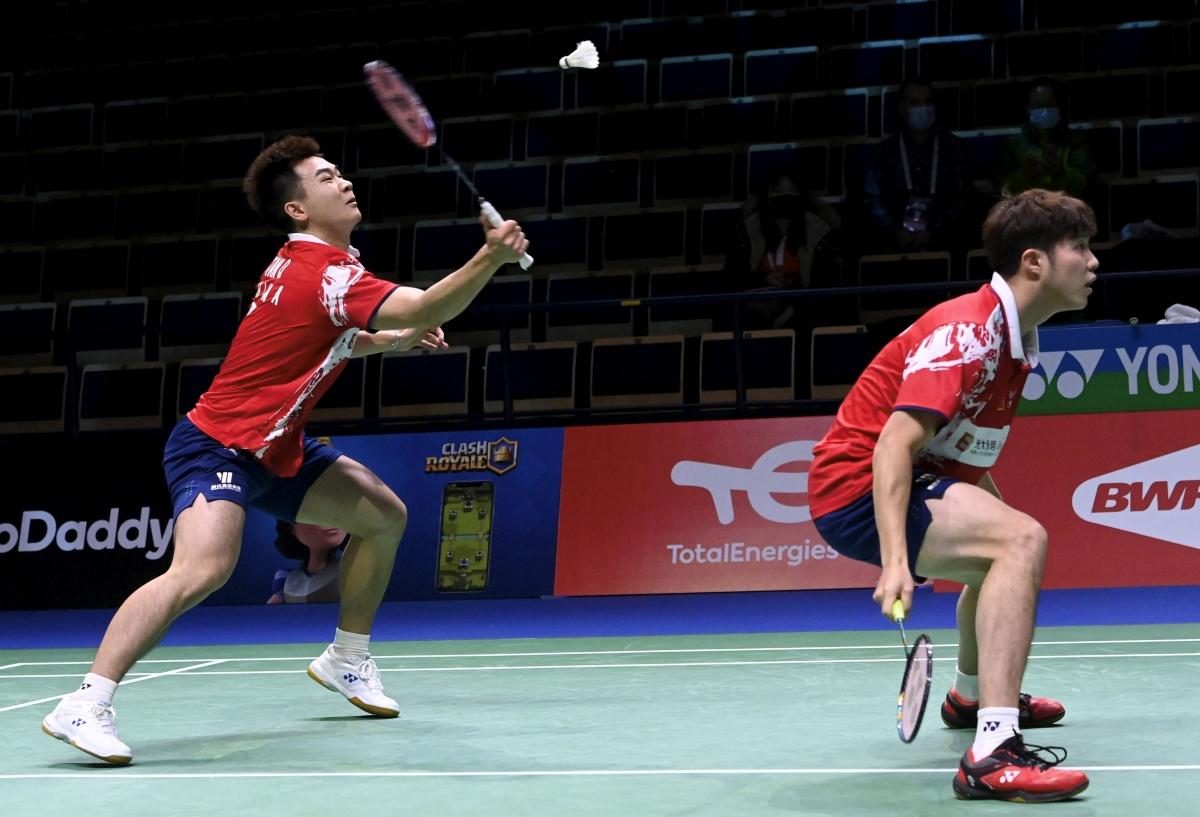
(1089, 369)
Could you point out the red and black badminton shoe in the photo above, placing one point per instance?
(960, 713)
(1018, 773)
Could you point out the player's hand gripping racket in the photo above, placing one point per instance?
(401, 103)
(918, 676)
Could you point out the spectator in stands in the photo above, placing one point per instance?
(1046, 153)
(917, 186)
(318, 550)
(244, 445)
(787, 240)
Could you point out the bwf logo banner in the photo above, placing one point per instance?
(1156, 498)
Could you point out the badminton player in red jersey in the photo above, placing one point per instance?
(243, 444)
(901, 480)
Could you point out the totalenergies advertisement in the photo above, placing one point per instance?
(694, 507)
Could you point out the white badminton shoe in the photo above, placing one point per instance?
(357, 679)
(89, 726)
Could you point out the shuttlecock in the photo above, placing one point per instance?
(584, 56)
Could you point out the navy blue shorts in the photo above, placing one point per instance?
(197, 465)
(851, 530)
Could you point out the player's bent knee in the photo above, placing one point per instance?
(1031, 541)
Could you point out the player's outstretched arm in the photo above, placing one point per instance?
(397, 340)
(408, 307)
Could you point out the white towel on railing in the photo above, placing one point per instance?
(1181, 313)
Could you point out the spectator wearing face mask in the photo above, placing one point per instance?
(1046, 153)
(787, 240)
(917, 187)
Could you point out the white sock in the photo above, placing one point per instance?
(350, 645)
(996, 725)
(96, 688)
(967, 686)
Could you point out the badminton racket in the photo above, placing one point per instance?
(404, 107)
(918, 677)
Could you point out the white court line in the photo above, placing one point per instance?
(125, 775)
(633, 665)
(554, 654)
(12, 666)
(123, 683)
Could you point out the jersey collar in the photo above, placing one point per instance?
(315, 240)
(1023, 347)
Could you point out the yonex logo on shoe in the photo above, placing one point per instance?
(350, 678)
(226, 482)
(85, 685)
(78, 722)
(1009, 776)
(991, 726)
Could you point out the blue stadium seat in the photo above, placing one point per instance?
(421, 57)
(384, 146)
(16, 221)
(379, 246)
(857, 154)
(841, 114)
(1169, 201)
(558, 241)
(195, 376)
(137, 165)
(42, 407)
(480, 326)
(206, 115)
(442, 245)
(135, 120)
(1105, 141)
(781, 70)
(527, 89)
(479, 139)
(855, 66)
(424, 382)
(27, 334)
(745, 119)
(979, 268)
(651, 236)
(158, 211)
(21, 274)
(652, 38)
(809, 160)
(718, 223)
(839, 354)
(1109, 96)
(120, 396)
(1168, 144)
(224, 208)
(10, 130)
(1000, 104)
(177, 265)
(541, 377)
(220, 157)
(1058, 13)
(108, 330)
(621, 82)
(1042, 53)
(416, 192)
(346, 398)
(601, 180)
(455, 95)
(696, 176)
(284, 109)
(1135, 45)
(195, 326)
(350, 105)
(955, 57)
(985, 148)
(515, 187)
(655, 127)
(591, 323)
(914, 268)
(768, 366)
(251, 253)
(1182, 92)
(637, 372)
(61, 127)
(98, 269)
(488, 51)
(558, 134)
(73, 169)
(901, 21)
(691, 320)
(703, 77)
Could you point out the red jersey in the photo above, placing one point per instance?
(310, 304)
(965, 361)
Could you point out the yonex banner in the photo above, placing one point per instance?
(694, 507)
(1088, 369)
(1119, 495)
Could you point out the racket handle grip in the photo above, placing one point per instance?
(495, 219)
(898, 610)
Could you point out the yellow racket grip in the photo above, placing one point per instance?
(898, 610)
